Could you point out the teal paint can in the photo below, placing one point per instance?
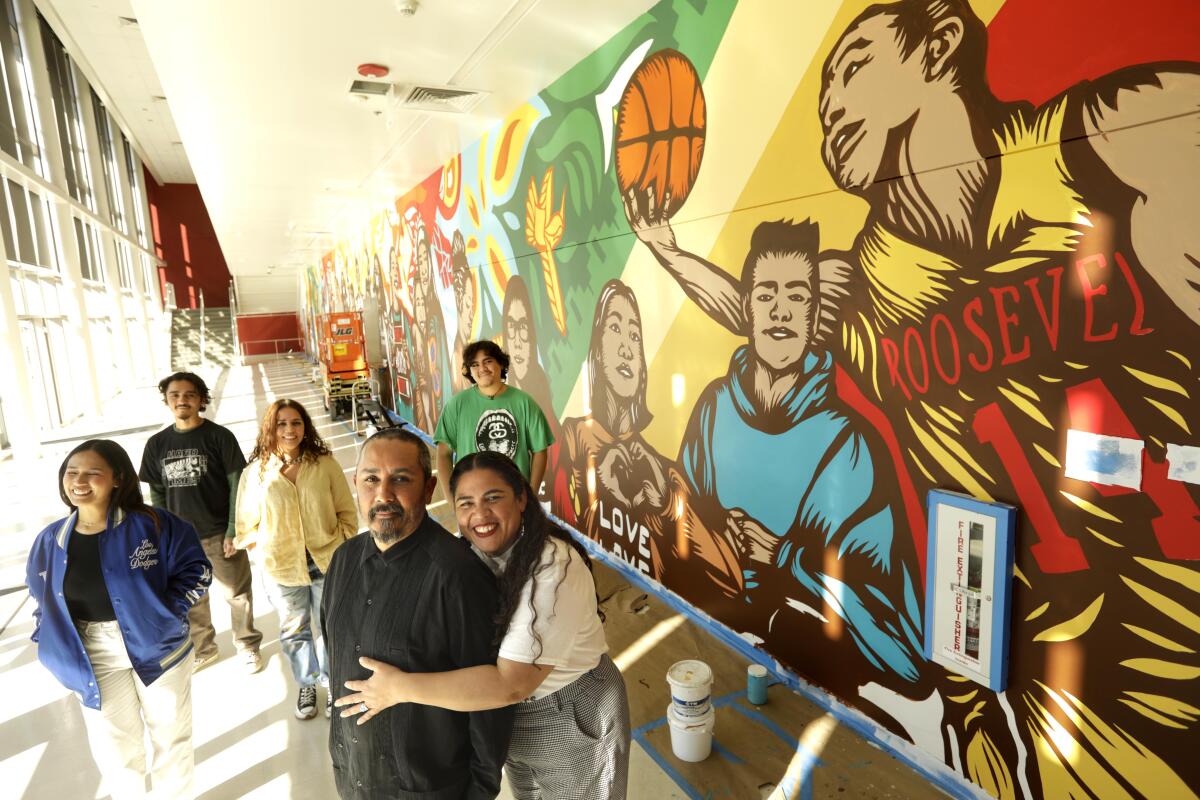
(756, 684)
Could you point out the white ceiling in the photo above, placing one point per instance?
(115, 60)
(286, 161)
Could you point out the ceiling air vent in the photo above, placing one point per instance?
(370, 88)
(446, 99)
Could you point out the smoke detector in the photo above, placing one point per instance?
(407, 7)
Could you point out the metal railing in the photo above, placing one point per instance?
(277, 348)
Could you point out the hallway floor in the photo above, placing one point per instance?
(249, 744)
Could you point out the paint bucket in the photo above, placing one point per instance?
(691, 737)
(756, 684)
(691, 687)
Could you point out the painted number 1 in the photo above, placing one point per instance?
(1055, 551)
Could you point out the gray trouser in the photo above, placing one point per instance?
(234, 577)
(573, 744)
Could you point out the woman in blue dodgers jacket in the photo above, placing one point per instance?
(113, 583)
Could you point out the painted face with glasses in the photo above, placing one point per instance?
(518, 337)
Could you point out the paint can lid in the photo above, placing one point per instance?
(756, 671)
(689, 673)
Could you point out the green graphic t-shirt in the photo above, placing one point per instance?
(510, 423)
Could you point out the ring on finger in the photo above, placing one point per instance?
(362, 708)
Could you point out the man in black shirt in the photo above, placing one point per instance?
(193, 468)
(416, 597)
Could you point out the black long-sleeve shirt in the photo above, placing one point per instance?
(426, 604)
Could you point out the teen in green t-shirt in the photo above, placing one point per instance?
(492, 416)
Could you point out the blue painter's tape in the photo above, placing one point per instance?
(725, 754)
(666, 766)
(649, 726)
(769, 724)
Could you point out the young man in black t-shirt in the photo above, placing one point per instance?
(193, 467)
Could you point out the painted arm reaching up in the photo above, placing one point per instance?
(711, 288)
(714, 289)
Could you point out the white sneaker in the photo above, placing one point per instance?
(252, 660)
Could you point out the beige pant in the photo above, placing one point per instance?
(129, 710)
(234, 577)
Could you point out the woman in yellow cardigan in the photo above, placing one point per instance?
(294, 508)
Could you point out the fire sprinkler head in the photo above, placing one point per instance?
(407, 7)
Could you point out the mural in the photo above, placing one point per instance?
(771, 316)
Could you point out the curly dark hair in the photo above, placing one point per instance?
(525, 561)
(488, 348)
(192, 378)
(127, 491)
(311, 446)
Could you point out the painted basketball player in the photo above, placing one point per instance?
(815, 533)
(978, 209)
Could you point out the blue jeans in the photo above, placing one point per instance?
(300, 635)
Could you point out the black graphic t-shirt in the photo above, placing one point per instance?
(192, 468)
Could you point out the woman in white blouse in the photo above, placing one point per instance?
(294, 507)
(571, 731)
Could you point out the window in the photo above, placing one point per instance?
(42, 229)
(108, 157)
(91, 263)
(148, 275)
(25, 225)
(6, 228)
(36, 347)
(27, 252)
(66, 111)
(60, 364)
(125, 265)
(104, 351)
(133, 171)
(5, 443)
(18, 123)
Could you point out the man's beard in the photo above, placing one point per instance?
(390, 528)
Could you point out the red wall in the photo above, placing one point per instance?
(185, 239)
(266, 334)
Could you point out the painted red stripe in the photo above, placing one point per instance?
(853, 397)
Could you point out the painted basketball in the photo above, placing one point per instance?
(660, 128)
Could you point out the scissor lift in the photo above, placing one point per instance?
(345, 374)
